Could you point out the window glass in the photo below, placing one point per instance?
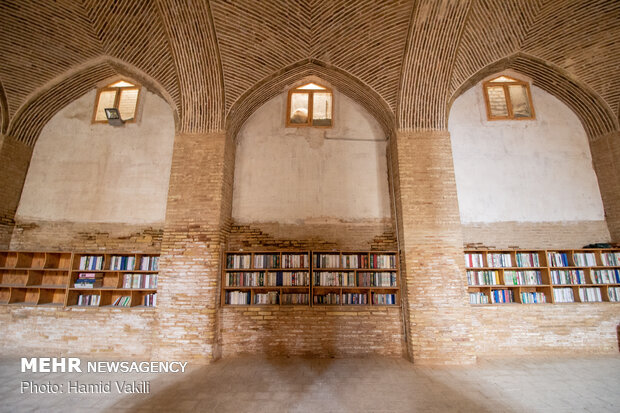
(497, 101)
(127, 103)
(106, 100)
(520, 102)
(299, 108)
(321, 109)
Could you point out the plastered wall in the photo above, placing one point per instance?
(514, 176)
(308, 175)
(96, 173)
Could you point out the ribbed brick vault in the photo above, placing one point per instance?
(216, 61)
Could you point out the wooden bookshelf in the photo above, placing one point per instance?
(543, 276)
(57, 279)
(328, 278)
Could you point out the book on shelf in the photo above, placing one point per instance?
(122, 301)
(502, 296)
(614, 294)
(150, 300)
(529, 277)
(590, 294)
(294, 299)
(266, 260)
(354, 298)
(149, 263)
(270, 297)
(327, 299)
(376, 279)
(122, 263)
(288, 279)
(558, 259)
(334, 279)
(483, 278)
(354, 261)
(88, 280)
(91, 262)
(565, 277)
(326, 260)
(237, 297)
(533, 298)
(610, 259)
(295, 261)
(499, 259)
(584, 259)
(88, 300)
(382, 261)
(144, 281)
(383, 299)
(606, 276)
(563, 295)
(238, 261)
(528, 259)
(474, 260)
(478, 298)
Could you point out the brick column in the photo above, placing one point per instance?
(197, 220)
(14, 161)
(436, 305)
(606, 160)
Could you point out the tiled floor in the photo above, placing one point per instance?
(586, 384)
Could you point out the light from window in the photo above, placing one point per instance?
(310, 105)
(508, 98)
(121, 95)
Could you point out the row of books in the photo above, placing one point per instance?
(376, 279)
(88, 280)
(527, 259)
(122, 262)
(502, 296)
(270, 297)
(329, 299)
(271, 279)
(555, 259)
(474, 260)
(563, 295)
(533, 298)
(383, 299)
(522, 277)
(150, 300)
(91, 262)
(139, 280)
(88, 300)
(354, 299)
(267, 261)
(483, 278)
(237, 297)
(326, 260)
(149, 263)
(590, 295)
(123, 301)
(354, 261)
(564, 277)
(478, 298)
(558, 259)
(610, 259)
(499, 260)
(295, 261)
(334, 279)
(606, 276)
(584, 259)
(294, 299)
(613, 293)
(238, 261)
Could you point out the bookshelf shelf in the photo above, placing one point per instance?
(557, 276)
(245, 281)
(49, 278)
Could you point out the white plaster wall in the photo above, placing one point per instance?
(305, 175)
(82, 172)
(524, 171)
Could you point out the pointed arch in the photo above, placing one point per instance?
(595, 115)
(280, 81)
(44, 103)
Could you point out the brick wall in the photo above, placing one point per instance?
(50, 332)
(194, 234)
(538, 235)
(606, 160)
(507, 330)
(14, 160)
(72, 236)
(438, 317)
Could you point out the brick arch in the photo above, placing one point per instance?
(595, 115)
(4, 110)
(42, 105)
(279, 82)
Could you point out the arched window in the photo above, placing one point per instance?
(508, 98)
(310, 105)
(121, 95)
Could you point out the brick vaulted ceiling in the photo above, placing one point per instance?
(206, 58)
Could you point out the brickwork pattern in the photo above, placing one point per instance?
(72, 236)
(316, 331)
(14, 162)
(437, 310)
(606, 161)
(537, 235)
(544, 329)
(194, 234)
(54, 332)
